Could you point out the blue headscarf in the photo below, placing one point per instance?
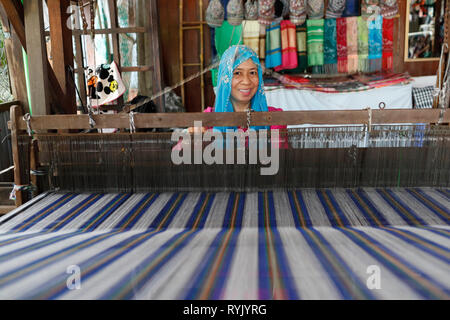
(231, 59)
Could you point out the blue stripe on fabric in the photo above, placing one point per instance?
(443, 217)
(42, 262)
(68, 213)
(108, 256)
(229, 210)
(445, 193)
(304, 208)
(405, 206)
(120, 290)
(338, 209)
(104, 215)
(159, 218)
(418, 245)
(196, 286)
(124, 221)
(24, 225)
(264, 281)
(285, 271)
(398, 272)
(396, 209)
(363, 195)
(328, 212)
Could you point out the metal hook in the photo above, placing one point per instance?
(132, 125)
(382, 105)
(27, 119)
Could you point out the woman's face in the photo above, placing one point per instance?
(245, 83)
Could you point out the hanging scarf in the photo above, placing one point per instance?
(266, 11)
(329, 47)
(352, 44)
(273, 46)
(363, 45)
(235, 12)
(341, 40)
(314, 9)
(215, 14)
(288, 46)
(231, 59)
(335, 8)
(389, 8)
(315, 42)
(370, 8)
(388, 44)
(251, 10)
(251, 34)
(375, 43)
(351, 8)
(297, 12)
(302, 58)
(262, 42)
(225, 36)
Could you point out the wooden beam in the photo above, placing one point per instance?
(37, 57)
(79, 32)
(15, 12)
(112, 4)
(62, 51)
(16, 114)
(170, 120)
(153, 29)
(7, 106)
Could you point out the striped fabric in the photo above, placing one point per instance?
(296, 244)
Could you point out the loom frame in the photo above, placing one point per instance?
(67, 124)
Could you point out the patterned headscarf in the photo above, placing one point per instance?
(231, 59)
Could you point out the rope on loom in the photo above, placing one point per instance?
(28, 187)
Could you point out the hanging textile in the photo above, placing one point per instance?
(363, 45)
(225, 36)
(105, 84)
(329, 47)
(314, 31)
(352, 44)
(215, 14)
(302, 58)
(251, 35)
(297, 13)
(235, 12)
(251, 10)
(388, 44)
(266, 11)
(389, 8)
(273, 46)
(351, 8)
(370, 8)
(262, 43)
(335, 8)
(341, 44)
(288, 46)
(375, 43)
(224, 5)
(315, 9)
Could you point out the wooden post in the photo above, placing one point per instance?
(62, 50)
(158, 81)
(16, 113)
(15, 62)
(115, 38)
(37, 57)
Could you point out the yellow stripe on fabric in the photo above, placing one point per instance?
(169, 212)
(332, 209)
(201, 211)
(104, 210)
(403, 210)
(366, 208)
(299, 210)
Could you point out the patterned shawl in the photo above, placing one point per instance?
(388, 44)
(335, 8)
(231, 59)
(375, 43)
(288, 46)
(315, 30)
(266, 11)
(297, 12)
(329, 47)
(352, 44)
(315, 9)
(251, 34)
(363, 45)
(273, 45)
(341, 39)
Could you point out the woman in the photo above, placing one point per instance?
(240, 85)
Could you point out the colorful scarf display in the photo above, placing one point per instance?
(251, 34)
(297, 12)
(314, 9)
(288, 46)
(231, 59)
(266, 11)
(351, 8)
(341, 44)
(388, 44)
(335, 9)
(314, 31)
(352, 44)
(302, 58)
(329, 47)
(375, 43)
(273, 46)
(363, 45)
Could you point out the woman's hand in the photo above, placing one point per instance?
(196, 129)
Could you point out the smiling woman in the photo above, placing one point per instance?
(240, 86)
